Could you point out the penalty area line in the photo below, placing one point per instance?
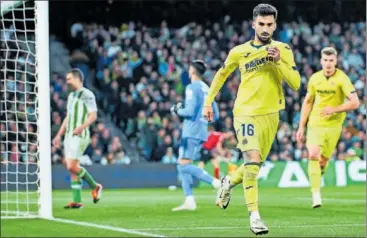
(105, 227)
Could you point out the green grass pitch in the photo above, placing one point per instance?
(287, 212)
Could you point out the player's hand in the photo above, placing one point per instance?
(300, 134)
(208, 113)
(274, 52)
(78, 130)
(327, 111)
(175, 108)
(56, 141)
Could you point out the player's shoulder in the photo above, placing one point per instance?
(87, 92)
(204, 86)
(238, 49)
(87, 95)
(340, 74)
(197, 86)
(316, 76)
(281, 45)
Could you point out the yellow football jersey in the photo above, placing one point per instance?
(260, 91)
(331, 91)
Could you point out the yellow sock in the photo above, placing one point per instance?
(237, 176)
(314, 174)
(251, 170)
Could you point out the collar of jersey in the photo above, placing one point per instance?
(327, 78)
(258, 46)
(77, 91)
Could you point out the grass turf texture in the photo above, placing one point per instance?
(287, 212)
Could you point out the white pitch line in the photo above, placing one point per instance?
(335, 199)
(111, 228)
(237, 227)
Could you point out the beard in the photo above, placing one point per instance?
(263, 39)
(71, 87)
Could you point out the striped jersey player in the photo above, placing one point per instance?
(81, 113)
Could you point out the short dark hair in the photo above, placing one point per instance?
(265, 10)
(199, 66)
(77, 73)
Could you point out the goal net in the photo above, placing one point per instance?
(24, 110)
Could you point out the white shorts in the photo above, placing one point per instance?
(74, 147)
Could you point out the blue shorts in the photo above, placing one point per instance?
(190, 148)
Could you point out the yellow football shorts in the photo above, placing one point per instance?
(256, 132)
(325, 137)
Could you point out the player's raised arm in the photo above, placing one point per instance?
(288, 68)
(228, 67)
(220, 77)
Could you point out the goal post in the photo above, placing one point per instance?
(26, 185)
(44, 115)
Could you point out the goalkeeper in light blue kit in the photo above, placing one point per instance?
(194, 134)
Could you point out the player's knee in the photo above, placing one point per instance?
(184, 161)
(314, 155)
(180, 168)
(71, 167)
(251, 156)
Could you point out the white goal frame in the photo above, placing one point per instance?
(43, 105)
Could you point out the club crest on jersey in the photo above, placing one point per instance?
(247, 54)
(244, 141)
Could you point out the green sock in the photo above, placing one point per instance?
(76, 187)
(83, 174)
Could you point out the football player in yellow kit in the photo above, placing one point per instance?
(264, 63)
(325, 109)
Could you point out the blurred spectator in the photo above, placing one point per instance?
(351, 155)
(169, 157)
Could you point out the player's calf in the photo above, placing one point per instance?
(324, 162)
(97, 193)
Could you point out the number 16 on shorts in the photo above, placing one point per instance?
(247, 130)
(246, 133)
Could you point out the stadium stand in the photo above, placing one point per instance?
(138, 71)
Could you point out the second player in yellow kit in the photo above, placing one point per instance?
(264, 64)
(324, 110)
(327, 91)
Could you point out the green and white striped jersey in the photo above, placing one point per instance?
(80, 103)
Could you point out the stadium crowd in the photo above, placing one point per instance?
(18, 120)
(143, 71)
